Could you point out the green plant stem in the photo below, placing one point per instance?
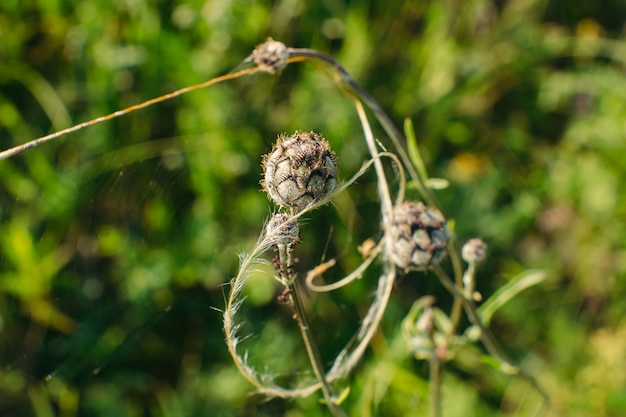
(435, 385)
(313, 352)
(469, 282)
(488, 339)
(457, 304)
(290, 281)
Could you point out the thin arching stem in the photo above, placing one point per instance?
(457, 304)
(349, 356)
(356, 274)
(394, 134)
(387, 279)
(36, 142)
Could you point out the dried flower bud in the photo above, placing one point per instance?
(474, 251)
(271, 56)
(281, 230)
(299, 170)
(420, 236)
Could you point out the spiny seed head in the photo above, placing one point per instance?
(420, 236)
(474, 251)
(281, 230)
(299, 170)
(271, 56)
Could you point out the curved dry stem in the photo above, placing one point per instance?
(263, 381)
(350, 356)
(347, 359)
(356, 274)
(36, 142)
(385, 121)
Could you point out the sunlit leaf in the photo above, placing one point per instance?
(505, 293)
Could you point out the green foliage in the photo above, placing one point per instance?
(116, 242)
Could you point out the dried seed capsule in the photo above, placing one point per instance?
(420, 236)
(281, 231)
(474, 251)
(299, 170)
(271, 56)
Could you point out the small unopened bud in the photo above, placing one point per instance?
(474, 251)
(420, 236)
(299, 170)
(425, 322)
(271, 56)
(282, 231)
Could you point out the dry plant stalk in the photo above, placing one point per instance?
(415, 237)
(300, 175)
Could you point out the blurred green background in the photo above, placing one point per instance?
(117, 242)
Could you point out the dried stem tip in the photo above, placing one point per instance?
(271, 56)
(420, 236)
(299, 170)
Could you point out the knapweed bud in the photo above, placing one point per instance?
(474, 251)
(420, 236)
(299, 170)
(282, 231)
(271, 56)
